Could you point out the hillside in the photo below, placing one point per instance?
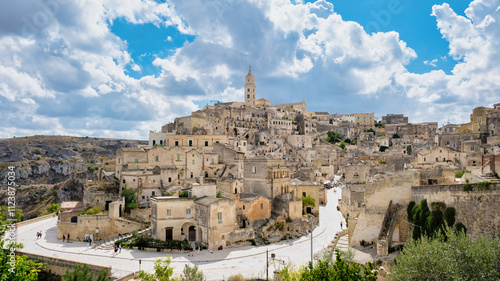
(52, 169)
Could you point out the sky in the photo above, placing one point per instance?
(119, 68)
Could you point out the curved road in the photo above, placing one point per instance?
(250, 261)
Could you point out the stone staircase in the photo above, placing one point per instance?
(108, 243)
(342, 243)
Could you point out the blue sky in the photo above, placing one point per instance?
(121, 68)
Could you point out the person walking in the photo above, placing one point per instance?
(37, 235)
(120, 248)
(68, 238)
(340, 225)
(64, 238)
(40, 234)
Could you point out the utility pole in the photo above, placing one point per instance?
(267, 264)
(312, 255)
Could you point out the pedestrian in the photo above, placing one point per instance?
(37, 234)
(64, 238)
(68, 238)
(116, 249)
(199, 249)
(120, 247)
(40, 234)
(340, 225)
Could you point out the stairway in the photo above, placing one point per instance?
(109, 243)
(343, 243)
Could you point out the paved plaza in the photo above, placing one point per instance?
(250, 261)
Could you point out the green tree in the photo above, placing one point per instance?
(334, 137)
(5, 214)
(21, 269)
(54, 208)
(192, 274)
(307, 201)
(162, 271)
(130, 199)
(83, 273)
(342, 145)
(449, 256)
(327, 269)
(371, 130)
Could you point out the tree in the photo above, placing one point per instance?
(83, 273)
(450, 255)
(342, 145)
(192, 274)
(15, 268)
(334, 137)
(329, 269)
(163, 271)
(371, 130)
(130, 199)
(54, 208)
(307, 201)
(396, 136)
(348, 141)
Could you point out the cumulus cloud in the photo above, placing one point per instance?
(62, 71)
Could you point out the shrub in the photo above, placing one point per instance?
(91, 211)
(219, 194)
(460, 174)
(467, 186)
(184, 194)
(484, 185)
(185, 245)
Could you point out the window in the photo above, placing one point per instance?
(303, 194)
(169, 212)
(156, 158)
(143, 197)
(212, 161)
(190, 142)
(243, 207)
(262, 206)
(154, 142)
(478, 119)
(152, 193)
(188, 213)
(178, 157)
(176, 143)
(254, 170)
(118, 160)
(161, 142)
(219, 217)
(425, 159)
(206, 142)
(123, 180)
(471, 148)
(169, 179)
(133, 180)
(136, 160)
(193, 161)
(437, 159)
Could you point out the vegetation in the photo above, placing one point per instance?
(348, 141)
(307, 201)
(342, 145)
(467, 186)
(237, 277)
(460, 174)
(379, 124)
(25, 270)
(183, 194)
(331, 269)
(430, 223)
(396, 136)
(84, 274)
(162, 271)
(5, 214)
(451, 255)
(91, 211)
(383, 148)
(219, 194)
(334, 137)
(371, 130)
(484, 185)
(409, 149)
(192, 274)
(54, 208)
(130, 199)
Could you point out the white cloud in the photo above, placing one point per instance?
(67, 73)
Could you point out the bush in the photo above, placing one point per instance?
(185, 245)
(183, 194)
(238, 277)
(219, 194)
(484, 185)
(91, 211)
(460, 174)
(467, 186)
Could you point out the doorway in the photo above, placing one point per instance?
(169, 233)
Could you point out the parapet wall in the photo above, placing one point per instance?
(58, 266)
(476, 209)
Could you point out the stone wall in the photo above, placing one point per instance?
(58, 266)
(477, 210)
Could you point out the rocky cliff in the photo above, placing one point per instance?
(53, 169)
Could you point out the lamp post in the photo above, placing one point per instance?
(312, 255)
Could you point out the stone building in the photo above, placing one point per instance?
(266, 176)
(394, 119)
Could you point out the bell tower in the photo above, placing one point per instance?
(250, 89)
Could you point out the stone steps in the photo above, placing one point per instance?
(108, 244)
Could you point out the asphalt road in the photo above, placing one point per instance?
(250, 261)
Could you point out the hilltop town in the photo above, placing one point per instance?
(253, 173)
(236, 172)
